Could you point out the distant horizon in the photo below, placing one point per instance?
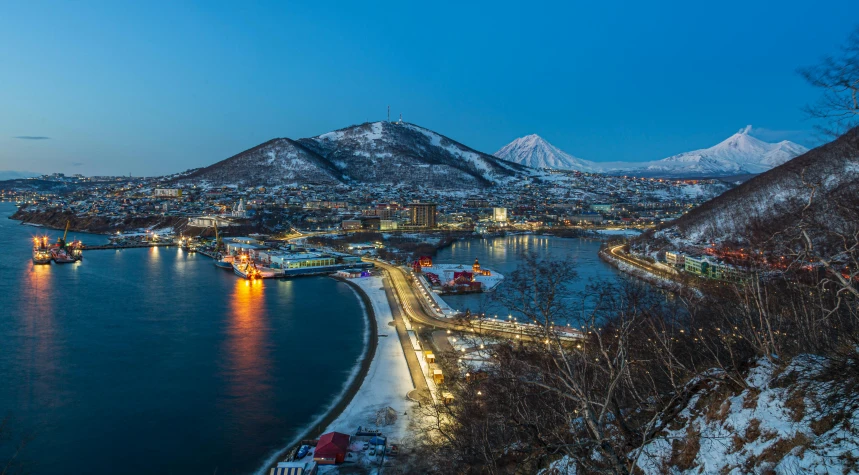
(749, 130)
(153, 89)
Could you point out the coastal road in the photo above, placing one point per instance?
(421, 392)
(416, 308)
(618, 253)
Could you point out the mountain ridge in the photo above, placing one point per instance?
(741, 153)
(817, 185)
(371, 152)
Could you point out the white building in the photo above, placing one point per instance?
(168, 193)
(499, 215)
(238, 210)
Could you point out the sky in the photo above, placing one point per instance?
(151, 88)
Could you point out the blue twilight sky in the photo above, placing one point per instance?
(157, 87)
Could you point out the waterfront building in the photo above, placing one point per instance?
(499, 215)
(209, 221)
(331, 448)
(423, 214)
(299, 260)
(295, 468)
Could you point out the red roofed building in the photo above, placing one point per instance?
(331, 449)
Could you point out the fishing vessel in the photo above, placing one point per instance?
(247, 268)
(41, 255)
(224, 261)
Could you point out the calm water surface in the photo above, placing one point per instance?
(502, 254)
(154, 361)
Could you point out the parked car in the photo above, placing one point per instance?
(372, 451)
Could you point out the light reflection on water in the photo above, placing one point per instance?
(248, 365)
(156, 361)
(503, 254)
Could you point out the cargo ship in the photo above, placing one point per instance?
(41, 254)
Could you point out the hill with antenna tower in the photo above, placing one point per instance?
(373, 152)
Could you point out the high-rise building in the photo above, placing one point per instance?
(499, 215)
(423, 214)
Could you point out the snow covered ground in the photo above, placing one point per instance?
(619, 232)
(445, 272)
(388, 380)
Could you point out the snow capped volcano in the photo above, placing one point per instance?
(535, 152)
(737, 155)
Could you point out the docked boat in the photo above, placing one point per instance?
(248, 269)
(66, 252)
(60, 256)
(41, 254)
(224, 262)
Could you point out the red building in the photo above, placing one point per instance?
(331, 449)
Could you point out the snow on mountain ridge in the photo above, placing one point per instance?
(738, 154)
(535, 152)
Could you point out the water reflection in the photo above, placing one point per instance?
(38, 353)
(248, 361)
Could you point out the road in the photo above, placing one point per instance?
(618, 253)
(421, 393)
(416, 308)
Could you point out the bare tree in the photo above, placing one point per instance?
(838, 77)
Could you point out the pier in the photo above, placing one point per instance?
(102, 247)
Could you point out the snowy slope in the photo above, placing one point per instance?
(372, 153)
(276, 162)
(403, 153)
(770, 202)
(535, 152)
(772, 426)
(737, 155)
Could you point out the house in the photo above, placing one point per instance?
(331, 448)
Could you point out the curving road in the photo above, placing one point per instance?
(415, 307)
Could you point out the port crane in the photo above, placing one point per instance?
(219, 244)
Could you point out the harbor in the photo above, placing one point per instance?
(248, 257)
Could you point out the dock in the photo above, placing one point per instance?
(102, 247)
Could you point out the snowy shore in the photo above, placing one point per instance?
(388, 381)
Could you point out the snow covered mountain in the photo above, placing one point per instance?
(738, 154)
(772, 202)
(403, 153)
(535, 152)
(276, 162)
(375, 153)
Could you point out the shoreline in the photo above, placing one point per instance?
(348, 394)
